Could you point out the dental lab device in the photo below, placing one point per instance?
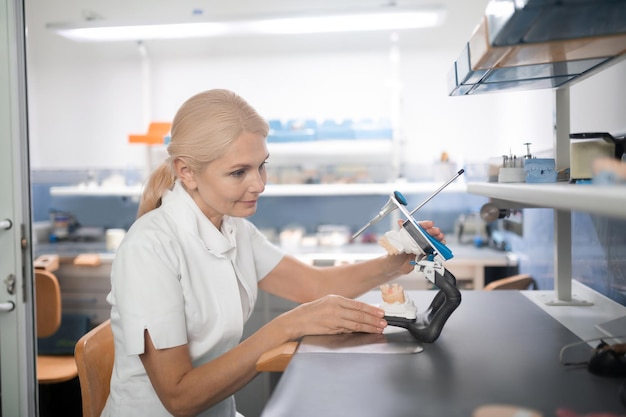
(430, 257)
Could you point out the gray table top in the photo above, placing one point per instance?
(497, 347)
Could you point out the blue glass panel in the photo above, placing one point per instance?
(556, 69)
(519, 85)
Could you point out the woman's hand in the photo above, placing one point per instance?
(400, 255)
(399, 264)
(333, 314)
(430, 228)
(434, 231)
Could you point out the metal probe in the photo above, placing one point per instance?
(361, 230)
(394, 200)
(438, 191)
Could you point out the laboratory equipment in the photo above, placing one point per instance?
(427, 326)
(588, 146)
(395, 200)
(431, 254)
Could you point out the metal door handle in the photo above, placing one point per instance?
(6, 224)
(7, 306)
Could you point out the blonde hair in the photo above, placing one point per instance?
(203, 128)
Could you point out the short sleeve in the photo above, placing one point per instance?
(148, 295)
(266, 254)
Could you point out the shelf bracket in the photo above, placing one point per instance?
(562, 218)
(563, 263)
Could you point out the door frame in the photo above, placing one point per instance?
(19, 392)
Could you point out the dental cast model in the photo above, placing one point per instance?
(396, 302)
(399, 241)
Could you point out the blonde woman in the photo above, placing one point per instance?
(185, 278)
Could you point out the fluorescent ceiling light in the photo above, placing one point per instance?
(391, 18)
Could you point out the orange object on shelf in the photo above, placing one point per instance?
(157, 131)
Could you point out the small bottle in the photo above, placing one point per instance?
(60, 225)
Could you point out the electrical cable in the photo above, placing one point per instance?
(570, 345)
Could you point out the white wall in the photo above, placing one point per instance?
(86, 98)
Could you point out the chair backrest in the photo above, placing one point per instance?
(47, 303)
(515, 282)
(94, 358)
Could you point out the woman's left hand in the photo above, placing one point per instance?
(402, 262)
(433, 230)
(430, 228)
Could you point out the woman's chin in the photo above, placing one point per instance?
(245, 212)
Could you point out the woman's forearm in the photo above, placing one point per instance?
(355, 279)
(187, 391)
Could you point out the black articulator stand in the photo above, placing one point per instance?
(427, 326)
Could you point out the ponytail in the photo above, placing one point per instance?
(160, 180)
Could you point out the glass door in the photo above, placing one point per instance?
(18, 389)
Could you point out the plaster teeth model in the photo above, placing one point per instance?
(399, 241)
(396, 303)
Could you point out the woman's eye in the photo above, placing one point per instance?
(238, 173)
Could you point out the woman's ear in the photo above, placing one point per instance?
(184, 173)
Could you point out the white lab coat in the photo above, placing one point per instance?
(179, 277)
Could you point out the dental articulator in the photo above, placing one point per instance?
(430, 256)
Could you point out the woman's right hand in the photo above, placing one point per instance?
(333, 314)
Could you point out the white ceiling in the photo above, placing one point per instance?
(462, 17)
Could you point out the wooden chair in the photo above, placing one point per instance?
(51, 369)
(94, 356)
(95, 353)
(515, 282)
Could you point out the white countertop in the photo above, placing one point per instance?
(354, 252)
(467, 264)
(583, 320)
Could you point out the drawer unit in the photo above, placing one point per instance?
(84, 289)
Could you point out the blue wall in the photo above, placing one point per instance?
(598, 251)
(355, 211)
(106, 212)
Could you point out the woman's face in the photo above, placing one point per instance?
(231, 184)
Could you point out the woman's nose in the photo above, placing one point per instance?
(258, 182)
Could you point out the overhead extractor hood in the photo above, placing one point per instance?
(533, 44)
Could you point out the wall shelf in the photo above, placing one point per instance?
(287, 190)
(96, 191)
(538, 44)
(602, 200)
(279, 190)
(478, 70)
